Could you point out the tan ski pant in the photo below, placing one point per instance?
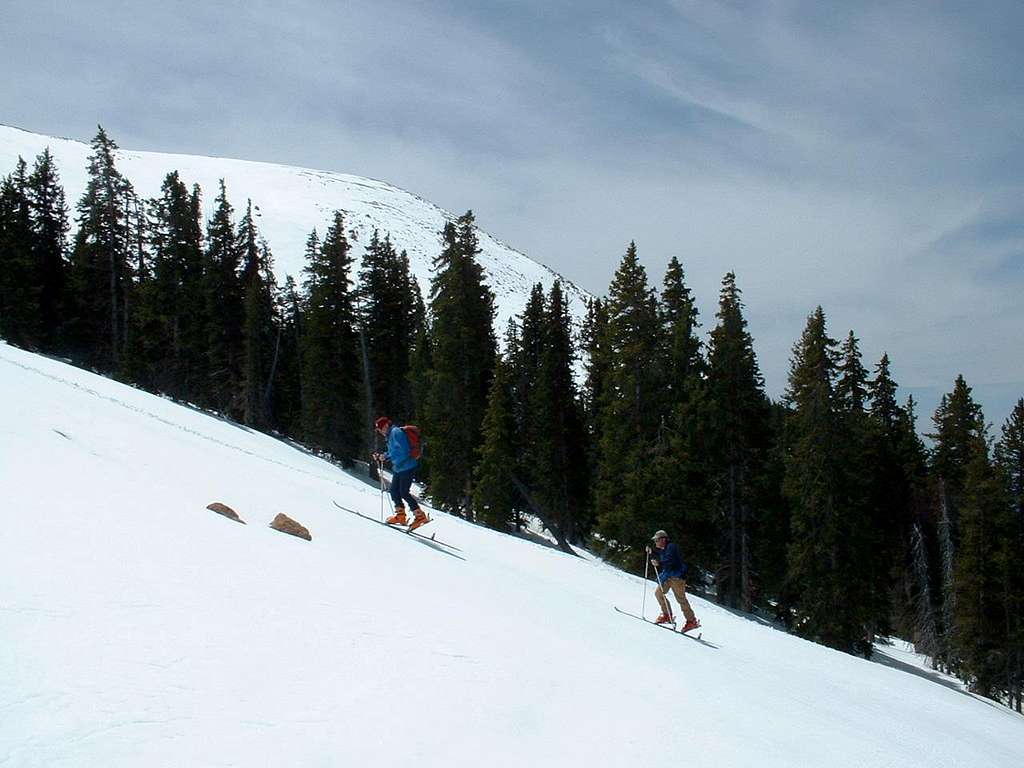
(678, 587)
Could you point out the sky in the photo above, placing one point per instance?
(867, 157)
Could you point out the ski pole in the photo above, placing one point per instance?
(647, 567)
(380, 475)
(383, 496)
(664, 595)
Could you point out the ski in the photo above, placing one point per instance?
(402, 529)
(671, 628)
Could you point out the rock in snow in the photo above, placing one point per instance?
(224, 509)
(285, 524)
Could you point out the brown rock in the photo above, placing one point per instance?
(224, 509)
(285, 524)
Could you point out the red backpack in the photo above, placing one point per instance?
(412, 432)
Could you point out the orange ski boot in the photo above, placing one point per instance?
(663, 619)
(398, 518)
(418, 519)
(690, 625)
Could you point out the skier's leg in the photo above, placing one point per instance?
(398, 518)
(659, 593)
(679, 590)
(396, 491)
(406, 489)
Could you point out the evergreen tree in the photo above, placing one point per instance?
(865, 490)
(679, 463)
(49, 215)
(331, 371)
(142, 354)
(420, 361)
(773, 524)
(494, 495)
(881, 391)
(417, 312)
(260, 335)
(387, 316)
(959, 435)
(978, 634)
(826, 557)
(629, 419)
(595, 348)
(286, 401)
(1009, 460)
(19, 279)
(894, 455)
(418, 376)
(737, 428)
(525, 356)
(224, 309)
(684, 363)
(176, 303)
(463, 352)
(852, 384)
(594, 337)
(554, 450)
(101, 258)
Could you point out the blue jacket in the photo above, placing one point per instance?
(398, 450)
(671, 565)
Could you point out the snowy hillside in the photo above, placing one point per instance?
(140, 629)
(292, 201)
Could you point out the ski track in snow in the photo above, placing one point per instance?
(141, 629)
(151, 415)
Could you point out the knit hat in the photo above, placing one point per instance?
(659, 535)
(382, 422)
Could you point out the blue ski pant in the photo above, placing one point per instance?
(401, 489)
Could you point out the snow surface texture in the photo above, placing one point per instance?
(140, 629)
(292, 201)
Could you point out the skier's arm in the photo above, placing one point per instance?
(398, 447)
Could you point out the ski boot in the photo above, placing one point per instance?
(398, 518)
(418, 519)
(664, 619)
(690, 625)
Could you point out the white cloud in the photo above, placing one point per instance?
(866, 157)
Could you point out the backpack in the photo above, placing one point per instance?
(412, 432)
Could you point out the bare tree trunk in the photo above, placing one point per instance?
(948, 583)
(732, 592)
(273, 373)
(926, 639)
(746, 598)
(370, 437)
(113, 305)
(563, 544)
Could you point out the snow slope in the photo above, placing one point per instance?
(140, 629)
(292, 201)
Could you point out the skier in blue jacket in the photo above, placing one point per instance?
(403, 466)
(671, 572)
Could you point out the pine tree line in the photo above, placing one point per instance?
(824, 510)
(151, 294)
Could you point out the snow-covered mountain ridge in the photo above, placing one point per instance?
(292, 201)
(140, 629)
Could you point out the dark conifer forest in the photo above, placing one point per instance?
(825, 511)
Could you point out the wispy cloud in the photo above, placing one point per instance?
(865, 156)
